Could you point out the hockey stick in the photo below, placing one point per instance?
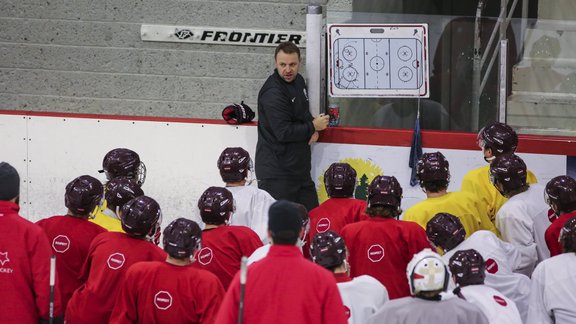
(52, 283)
(243, 273)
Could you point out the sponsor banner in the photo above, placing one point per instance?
(217, 35)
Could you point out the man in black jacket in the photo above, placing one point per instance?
(285, 131)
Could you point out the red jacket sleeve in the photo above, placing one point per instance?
(213, 295)
(125, 309)
(333, 309)
(228, 312)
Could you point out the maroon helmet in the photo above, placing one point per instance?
(433, 167)
(445, 230)
(83, 194)
(561, 193)
(468, 267)
(234, 164)
(182, 238)
(568, 235)
(123, 162)
(328, 249)
(216, 205)
(340, 180)
(508, 170)
(498, 137)
(384, 191)
(120, 190)
(141, 217)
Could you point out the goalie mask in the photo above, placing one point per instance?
(182, 238)
(83, 194)
(427, 272)
(123, 162)
(340, 180)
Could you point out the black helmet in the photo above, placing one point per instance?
(498, 137)
(445, 230)
(508, 170)
(433, 167)
(561, 192)
(123, 162)
(568, 235)
(182, 238)
(468, 267)
(384, 191)
(340, 180)
(83, 194)
(328, 249)
(120, 190)
(141, 217)
(234, 164)
(216, 205)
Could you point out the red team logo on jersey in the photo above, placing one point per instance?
(61, 243)
(323, 225)
(163, 300)
(500, 301)
(205, 256)
(376, 253)
(491, 266)
(116, 261)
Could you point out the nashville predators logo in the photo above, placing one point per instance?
(366, 171)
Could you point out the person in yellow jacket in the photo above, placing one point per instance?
(494, 139)
(118, 191)
(433, 173)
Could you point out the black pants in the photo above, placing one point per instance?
(300, 191)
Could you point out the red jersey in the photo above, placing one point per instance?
(285, 288)
(552, 234)
(24, 269)
(161, 292)
(223, 248)
(334, 214)
(110, 255)
(381, 248)
(70, 238)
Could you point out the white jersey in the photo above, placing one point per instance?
(362, 296)
(415, 310)
(523, 220)
(252, 206)
(502, 258)
(553, 297)
(498, 308)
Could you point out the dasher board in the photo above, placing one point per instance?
(382, 60)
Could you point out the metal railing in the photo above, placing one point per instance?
(483, 53)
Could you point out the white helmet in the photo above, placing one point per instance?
(427, 272)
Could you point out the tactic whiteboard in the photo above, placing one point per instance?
(378, 60)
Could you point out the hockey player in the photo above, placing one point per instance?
(261, 252)
(494, 139)
(362, 295)
(284, 288)
(72, 233)
(341, 208)
(502, 258)
(433, 173)
(110, 255)
(428, 277)
(223, 245)
(123, 162)
(118, 191)
(170, 291)
(24, 260)
(382, 245)
(468, 271)
(554, 284)
(252, 204)
(560, 195)
(523, 219)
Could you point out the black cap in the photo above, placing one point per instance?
(9, 182)
(285, 218)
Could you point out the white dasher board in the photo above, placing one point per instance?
(384, 60)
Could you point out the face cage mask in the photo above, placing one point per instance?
(302, 240)
(154, 235)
